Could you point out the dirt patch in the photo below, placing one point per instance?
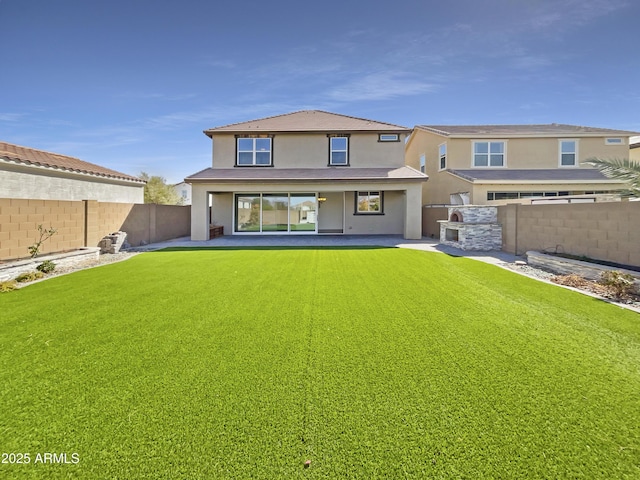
(576, 281)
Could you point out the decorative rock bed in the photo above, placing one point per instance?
(568, 266)
(11, 270)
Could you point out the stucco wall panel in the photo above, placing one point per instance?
(311, 150)
(35, 184)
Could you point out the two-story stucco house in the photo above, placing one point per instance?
(488, 164)
(308, 172)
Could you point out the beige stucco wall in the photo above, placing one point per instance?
(37, 183)
(402, 206)
(391, 223)
(521, 153)
(430, 217)
(634, 154)
(311, 150)
(331, 213)
(534, 152)
(604, 231)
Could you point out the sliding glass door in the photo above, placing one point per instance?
(294, 213)
(275, 209)
(303, 212)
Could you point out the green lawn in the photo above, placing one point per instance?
(371, 363)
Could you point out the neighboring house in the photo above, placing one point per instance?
(35, 174)
(634, 148)
(490, 164)
(183, 190)
(308, 172)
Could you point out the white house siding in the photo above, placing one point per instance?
(48, 184)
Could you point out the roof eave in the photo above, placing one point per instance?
(209, 133)
(40, 166)
(547, 182)
(307, 180)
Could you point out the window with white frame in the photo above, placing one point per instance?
(614, 141)
(568, 153)
(442, 155)
(253, 151)
(423, 163)
(339, 150)
(388, 137)
(369, 203)
(488, 154)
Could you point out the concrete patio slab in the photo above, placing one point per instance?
(246, 241)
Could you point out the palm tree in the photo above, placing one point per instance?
(620, 169)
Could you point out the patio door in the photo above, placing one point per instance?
(279, 213)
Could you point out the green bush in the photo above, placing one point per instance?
(46, 267)
(8, 286)
(621, 283)
(29, 277)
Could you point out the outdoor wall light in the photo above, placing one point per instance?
(322, 199)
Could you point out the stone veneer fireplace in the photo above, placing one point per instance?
(472, 227)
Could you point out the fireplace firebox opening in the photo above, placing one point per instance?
(451, 235)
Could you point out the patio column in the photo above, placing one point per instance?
(413, 212)
(199, 212)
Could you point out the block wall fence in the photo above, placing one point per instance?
(84, 223)
(607, 231)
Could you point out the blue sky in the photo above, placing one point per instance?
(131, 84)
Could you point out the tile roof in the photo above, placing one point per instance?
(259, 174)
(31, 156)
(525, 175)
(551, 129)
(309, 121)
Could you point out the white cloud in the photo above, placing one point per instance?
(155, 96)
(558, 15)
(381, 86)
(11, 117)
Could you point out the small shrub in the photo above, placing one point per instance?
(34, 250)
(8, 286)
(620, 283)
(46, 267)
(29, 277)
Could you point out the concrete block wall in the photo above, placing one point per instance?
(83, 223)
(19, 220)
(603, 231)
(111, 217)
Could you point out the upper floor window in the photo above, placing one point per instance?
(442, 155)
(339, 150)
(423, 163)
(488, 154)
(254, 151)
(388, 137)
(614, 141)
(568, 153)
